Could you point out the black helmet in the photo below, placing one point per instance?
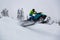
(33, 9)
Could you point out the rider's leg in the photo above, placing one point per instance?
(31, 18)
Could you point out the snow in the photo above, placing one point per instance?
(10, 30)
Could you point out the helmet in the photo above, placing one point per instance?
(33, 10)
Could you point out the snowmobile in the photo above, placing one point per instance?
(39, 17)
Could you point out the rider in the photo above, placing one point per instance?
(31, 14)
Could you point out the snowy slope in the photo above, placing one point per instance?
(10, 30)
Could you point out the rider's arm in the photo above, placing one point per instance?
(35, 12)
